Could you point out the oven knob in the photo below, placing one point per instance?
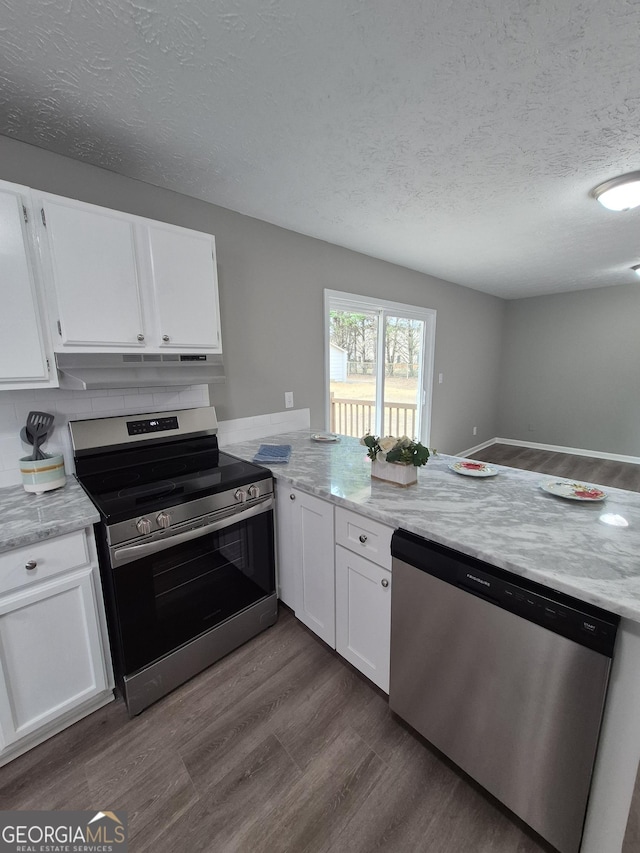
(254, 491)
(143, 525)
(164, 520)
(240, 495)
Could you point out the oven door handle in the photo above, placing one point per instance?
(133, 552)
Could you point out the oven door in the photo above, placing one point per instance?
(169, 591)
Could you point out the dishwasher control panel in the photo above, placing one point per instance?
(585, 623)
(540, 608)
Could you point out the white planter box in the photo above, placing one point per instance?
(394, 472)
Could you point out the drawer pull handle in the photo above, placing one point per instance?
(362, 538)
(384, 582)
(292, 497)
(30, 566)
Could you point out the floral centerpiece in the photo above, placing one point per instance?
(395, 459)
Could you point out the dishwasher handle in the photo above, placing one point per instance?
(479, 583)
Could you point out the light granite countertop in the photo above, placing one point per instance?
(506, 520)
(27, 518)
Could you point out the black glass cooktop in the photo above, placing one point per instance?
(128, 483)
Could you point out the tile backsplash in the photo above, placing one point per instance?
(262, 426)
(79, 405)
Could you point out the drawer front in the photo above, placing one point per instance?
(364, 536)
(51, 557)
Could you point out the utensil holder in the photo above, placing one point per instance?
(42, 475)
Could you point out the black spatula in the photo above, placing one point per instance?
(38, 424)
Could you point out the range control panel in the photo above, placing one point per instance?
(151, 425)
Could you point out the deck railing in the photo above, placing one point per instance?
(357, 417)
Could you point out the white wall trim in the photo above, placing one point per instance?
(555, 448)
(477, 447)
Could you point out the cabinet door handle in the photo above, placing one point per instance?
(30, 566)
(362, 538)
(384, 582)
(292, 497)
(140, 337)
(166, 338)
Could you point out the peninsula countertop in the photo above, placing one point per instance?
(27, 518)
(588, 550)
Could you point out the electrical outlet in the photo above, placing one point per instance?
(440, 378)
(288, 399)
(475, 430)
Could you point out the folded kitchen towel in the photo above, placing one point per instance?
(270, 453)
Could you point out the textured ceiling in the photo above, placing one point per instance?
(459, 138)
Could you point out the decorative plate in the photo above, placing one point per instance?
(325, 436)
(470, 468)
(573, 491)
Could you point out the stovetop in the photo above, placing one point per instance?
(130, 483)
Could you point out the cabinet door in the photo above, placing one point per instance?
(288, 562)
(51, 656)
(23, 358)
(185, 283)
(314, 547)
(363, 615)
(92, 254)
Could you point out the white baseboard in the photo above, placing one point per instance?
(555, 448)
(478, 447)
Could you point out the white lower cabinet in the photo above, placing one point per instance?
(315, 595)
(54, 661)
(286, 548)
(363, 615)
(306, 560)
(335, 575)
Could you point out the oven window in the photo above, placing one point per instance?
(166, 599)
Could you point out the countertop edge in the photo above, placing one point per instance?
(30, 518)
(577, 590)
(620, 596)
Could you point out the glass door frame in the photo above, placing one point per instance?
(339, 300)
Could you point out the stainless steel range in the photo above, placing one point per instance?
(186, 545)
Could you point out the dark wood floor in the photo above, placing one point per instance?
(604, 472)
(281, 746)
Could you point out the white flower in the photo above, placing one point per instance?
(387, 444)
(363, 442)
(381, 457)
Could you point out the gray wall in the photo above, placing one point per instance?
(571, 370)
(271, 301)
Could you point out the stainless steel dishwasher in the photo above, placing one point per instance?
(504, 676)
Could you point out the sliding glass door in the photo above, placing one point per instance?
(402, 391)
(379, 366)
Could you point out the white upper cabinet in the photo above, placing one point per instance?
(122, 283)
(183, 272)
(23, 340)
(94, 268)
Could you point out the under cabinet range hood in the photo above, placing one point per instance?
(94, 371)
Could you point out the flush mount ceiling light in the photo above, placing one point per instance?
(621, 193)
(636, 269)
